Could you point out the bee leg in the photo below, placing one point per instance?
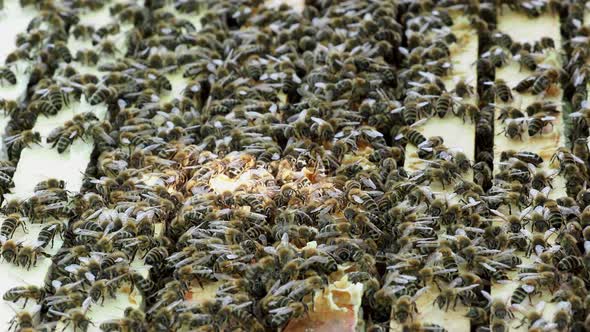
(26, 300)
(306, 307)
(522, 321)
(12, 321)
(437, 285)
(66, 326)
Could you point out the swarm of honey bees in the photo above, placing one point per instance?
(278, 166)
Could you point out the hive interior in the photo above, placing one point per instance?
(240, 165)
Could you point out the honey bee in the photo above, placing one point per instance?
(87, 57)
(526, 60)
(500, 310)
(17, 143)
(526, 84)
(510, 113)
(27, 292)
(538, 122)
(100, 288)
(526, 156)
(103, 94)
(413, 135)
(563, 316)
(524, 290)
(9, 106)
(49, 184)
(22, 321)
(544, 43)
(28, 255)
(530, 316)
(107, 47)
(570, 264)
(281, 315)
(444, 104)
(156, 256)
(11, 223)
(6, 74)
(10, 249)
(544, 80)
(514, 128)
(144, 285)
(80, 31)
(502, 39)
(469, 111)
(451, 295)
(63, 137)
(405, 307)
(61, 49)
(75, 317)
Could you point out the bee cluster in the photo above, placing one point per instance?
(278, 167)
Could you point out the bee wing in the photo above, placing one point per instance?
(471, 204)
(357, 199)
(498, 213)
(285, 239)
(418, 123)
(372, 133)
(544, 325)
(525, 212)
(420, 292)
(11, 139)
(474, 230)
(444, 271)
(73, 134)
(530, 277)
(488, 266)
(397, 110)
(400, 280)
(554, 248)
(282, 289)
(42, 92)
(270, 250)
(108, 139)
(518, 307)
(281, 311)
(90, 277)
(466, 288)
(487, 295)
(436, 256)
(86, 304)
(565, 305)
(86, 232)
(56, 284)
(72, 268)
